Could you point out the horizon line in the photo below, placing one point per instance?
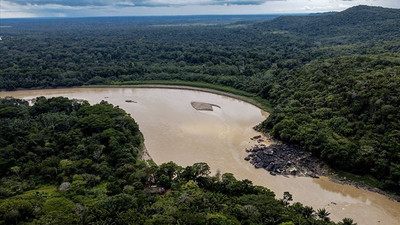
(165, 15)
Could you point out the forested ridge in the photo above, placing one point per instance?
(344, 110)
(333, 79)
(67, 162)
(356, 24)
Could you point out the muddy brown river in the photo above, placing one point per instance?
(175, 131)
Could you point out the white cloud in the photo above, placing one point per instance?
(12, 10)
(78, 8)
(150, 3)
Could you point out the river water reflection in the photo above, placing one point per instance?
(175, 131)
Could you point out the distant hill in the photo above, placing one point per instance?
(356, 23)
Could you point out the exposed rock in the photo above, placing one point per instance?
(130, 101)
(154, 189)
(305, 165)
(285, 159)
(270, 167)
(269, 152)
(313, 175)
(64, 186)
(259, 165)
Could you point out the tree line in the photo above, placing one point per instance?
(67, 162)
(330, 77)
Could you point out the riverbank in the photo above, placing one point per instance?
(175, 132)
(174, 84)
(144, 154)
(336, 176)
(251, 98)
(38, 88)
(284, 159)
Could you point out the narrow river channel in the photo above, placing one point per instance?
(175, 131)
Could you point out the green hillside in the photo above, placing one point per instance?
(356, 24)
(344, 110)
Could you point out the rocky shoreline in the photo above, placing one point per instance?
(282, 159)
(285, 159)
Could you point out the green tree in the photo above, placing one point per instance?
(323, 215)
(15, 211)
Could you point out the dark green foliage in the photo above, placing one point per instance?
(82, 52)
(345, 111)
(67, 140)
(360, 23)
(15, 211)
(332, 78)
(55, 139)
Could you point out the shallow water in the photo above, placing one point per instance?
(175, 131)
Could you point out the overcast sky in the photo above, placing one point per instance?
(85, 8)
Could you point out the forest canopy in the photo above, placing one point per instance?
(66, 162)
(332, 78)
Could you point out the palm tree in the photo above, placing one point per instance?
(323, 215)
(347, 221)
(287, 197)
(308, 212)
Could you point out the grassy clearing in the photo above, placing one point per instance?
(47, 191)
(201, 86)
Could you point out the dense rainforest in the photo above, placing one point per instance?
(332, 78)
(67, 162)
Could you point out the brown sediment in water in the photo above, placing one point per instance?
(173, 131)
(202, 106)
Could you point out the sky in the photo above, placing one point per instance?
(90, 8)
